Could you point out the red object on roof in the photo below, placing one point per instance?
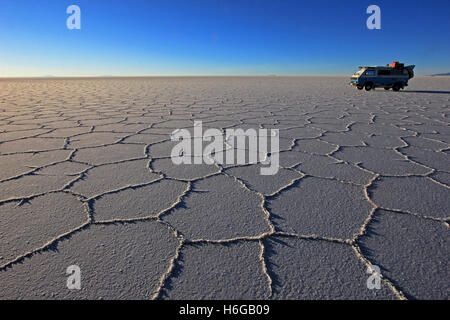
(395, 64)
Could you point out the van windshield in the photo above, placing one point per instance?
(359, 72)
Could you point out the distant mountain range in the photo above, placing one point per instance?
(441, 74)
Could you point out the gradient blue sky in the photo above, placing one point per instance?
(220, 37)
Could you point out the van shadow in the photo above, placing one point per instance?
(426, 91)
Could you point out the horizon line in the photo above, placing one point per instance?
(188, 76)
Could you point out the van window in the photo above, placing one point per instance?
(384, 72)
(397, 72)
(370, 72)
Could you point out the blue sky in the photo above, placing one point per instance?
(220, 37)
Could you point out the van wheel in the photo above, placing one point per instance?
(396, 87)
(359, 87)
(386, 88)
(368, 86)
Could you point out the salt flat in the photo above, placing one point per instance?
(86, 179)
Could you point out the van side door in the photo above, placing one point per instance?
(385, 76)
